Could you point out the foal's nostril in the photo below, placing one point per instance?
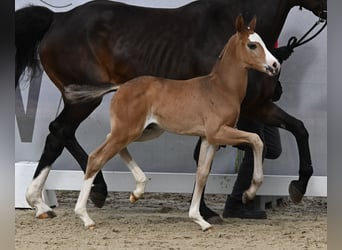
(275, 65)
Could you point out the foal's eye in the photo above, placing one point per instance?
(251, 45)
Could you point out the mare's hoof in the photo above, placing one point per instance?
(209, 215)
(97, 198)
(47, 215)
(217, 220)
(295, 192)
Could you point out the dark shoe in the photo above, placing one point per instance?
(242, 211)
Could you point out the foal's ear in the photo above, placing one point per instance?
(239, 24)
(252, 24)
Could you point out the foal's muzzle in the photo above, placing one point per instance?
(273, 69)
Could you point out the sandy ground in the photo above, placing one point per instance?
(159, 221)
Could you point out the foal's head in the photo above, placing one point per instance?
(251, 50)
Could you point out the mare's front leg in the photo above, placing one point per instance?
(207, 152)
(274, 116)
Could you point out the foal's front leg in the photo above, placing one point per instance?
(206, 156)
(226, 135)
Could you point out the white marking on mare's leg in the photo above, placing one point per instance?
(34, 195)
(80, 208)
(139, 176)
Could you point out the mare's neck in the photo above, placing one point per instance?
(271, 19)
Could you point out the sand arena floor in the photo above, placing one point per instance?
(160, 221)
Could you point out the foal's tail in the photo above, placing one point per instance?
(85, 93)
(31, 23)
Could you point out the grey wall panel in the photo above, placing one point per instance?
(304, 82)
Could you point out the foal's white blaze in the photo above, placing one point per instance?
(270, 59)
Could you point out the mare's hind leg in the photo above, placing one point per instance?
(76, 114)
(62, 131)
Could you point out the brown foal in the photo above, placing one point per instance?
(207, 106)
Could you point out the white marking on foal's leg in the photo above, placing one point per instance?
(206, 156)
(80, 208)
(34, 195)
(139, 176)
(258, 176)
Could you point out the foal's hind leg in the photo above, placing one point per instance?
(151, 132)
(139, 176)
(96, 161)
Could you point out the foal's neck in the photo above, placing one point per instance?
(230, 72)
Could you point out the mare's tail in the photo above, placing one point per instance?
(31, 23)
(85, 93)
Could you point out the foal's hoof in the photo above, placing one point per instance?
(295, 192)
(90, 227)
(98, 198)
(208, 229)
(47, 215)
(133, 198)
(246, 197)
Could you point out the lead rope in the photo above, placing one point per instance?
(283, 53)
(294, 42)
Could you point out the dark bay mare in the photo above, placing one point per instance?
(104, 42)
